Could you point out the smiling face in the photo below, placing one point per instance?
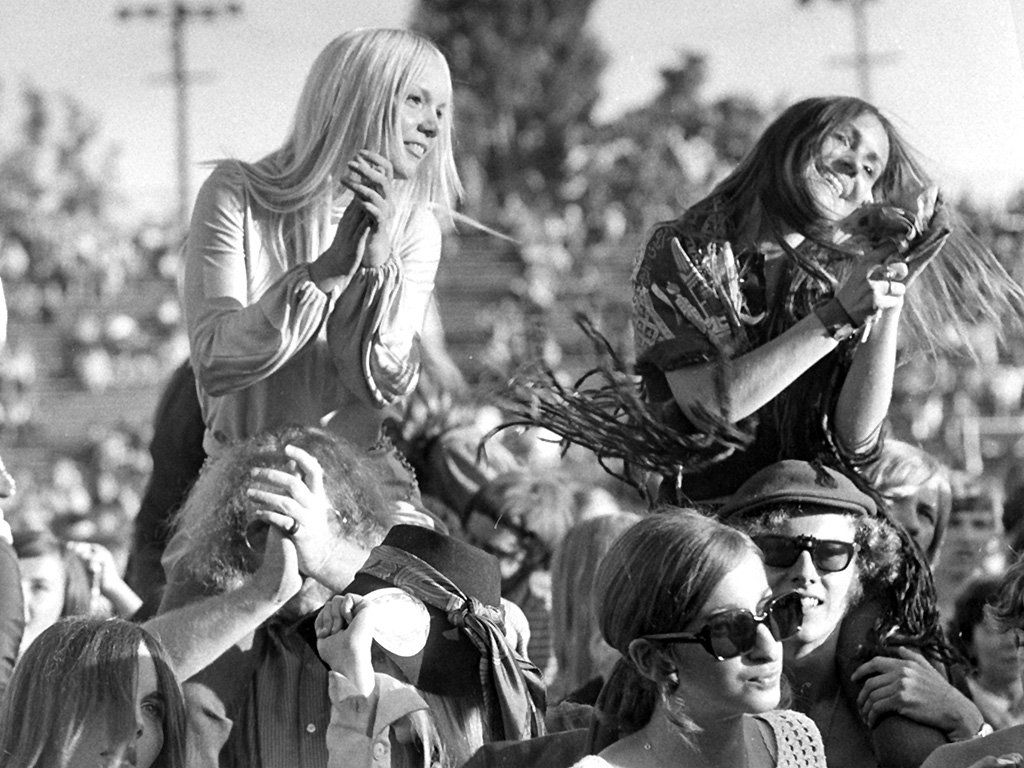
(94, 749)
(422, 114)
(826, 596)
(843, 173)
(743, 684)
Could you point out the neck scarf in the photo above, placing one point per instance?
(512, 687)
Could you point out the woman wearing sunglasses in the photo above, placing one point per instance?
(879, 703)
(687, 604)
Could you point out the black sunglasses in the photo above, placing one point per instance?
(733, 633)
(828, 556)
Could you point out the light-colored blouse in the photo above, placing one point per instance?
(270, 349)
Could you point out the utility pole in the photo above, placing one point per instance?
(178, 14)
(861, 54)
(863, 60)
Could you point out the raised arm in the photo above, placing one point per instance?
(684, 324)
(246, 315)
(197, 633)
(373, 329)
(865, 396)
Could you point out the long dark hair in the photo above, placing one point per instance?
(768, 193)
(771, 176)
(73, 668)
(655, 578)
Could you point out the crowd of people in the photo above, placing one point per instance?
(332, 564)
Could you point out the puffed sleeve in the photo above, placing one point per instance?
(240, 330)
(358, 734)
(374, 328)
(12, 614)
(686, 308)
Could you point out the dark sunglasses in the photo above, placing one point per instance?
(828, 556)
(733, 633)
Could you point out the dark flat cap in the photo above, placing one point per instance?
(797, 482)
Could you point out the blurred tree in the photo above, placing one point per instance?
(58, 204)
(526, 80)
(653, 162)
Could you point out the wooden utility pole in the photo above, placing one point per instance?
(178, 14)
(863, 60)
(861, 51)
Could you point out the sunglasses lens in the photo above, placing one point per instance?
(732, 634)
(832, 556)
(778, 551)
(785, 615)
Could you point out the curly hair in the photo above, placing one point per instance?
(216, 512)
(878, 545)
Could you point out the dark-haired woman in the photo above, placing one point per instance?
(775, 301)
(687, 604)
(93, 692)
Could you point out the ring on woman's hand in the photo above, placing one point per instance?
(293, 528)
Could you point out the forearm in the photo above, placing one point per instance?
(198, 633)
(755, 378)
(123, 599)
(334, 268)
(234, 344)
(865, 396)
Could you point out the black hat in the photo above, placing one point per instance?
(798, 482)
(449, 663)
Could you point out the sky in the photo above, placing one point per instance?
(952, 75)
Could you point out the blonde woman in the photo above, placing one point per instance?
(308, 273)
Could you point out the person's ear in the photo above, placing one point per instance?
(652, 662)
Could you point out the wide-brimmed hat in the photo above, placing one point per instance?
(813, 487)
(449, 662)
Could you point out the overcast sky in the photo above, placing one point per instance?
(952, 77)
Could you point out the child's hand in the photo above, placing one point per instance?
(344, 631)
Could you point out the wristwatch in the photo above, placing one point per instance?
(837, 321)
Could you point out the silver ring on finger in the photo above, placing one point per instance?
(293, 528)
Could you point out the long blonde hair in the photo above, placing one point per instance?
(349, 102)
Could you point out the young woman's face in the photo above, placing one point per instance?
(42, 588)
(852, 157)
(142, 751)
(422, 114)
(826, 595)
(743, 684)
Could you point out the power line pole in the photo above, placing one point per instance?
(178, 15)
(861, 53)
(862, 60)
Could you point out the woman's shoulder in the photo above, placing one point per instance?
(797, 739)
(592, 761)
(223, 189)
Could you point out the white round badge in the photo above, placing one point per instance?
(402, 626)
